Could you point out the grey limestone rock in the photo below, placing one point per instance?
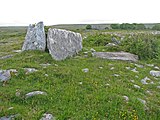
(48, 116)
(62, 43)
(116, 56)
(35, 38)
(155, 73)
(4, 75)
(34, 93)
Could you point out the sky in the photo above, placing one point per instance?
(52, 12)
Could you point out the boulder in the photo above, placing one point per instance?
(62, 43)
(116, 56)
(34, 93)
(35, 38)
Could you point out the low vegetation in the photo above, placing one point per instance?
(73, 94)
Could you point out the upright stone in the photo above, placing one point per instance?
(35, 38)
(63, 43)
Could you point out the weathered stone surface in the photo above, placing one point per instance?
(30, 70)
(35, 38)
(47, 116)
(4, 75)
(35, 93)
(6, 57)
(63, 43)
(116, 56)
(155, 73)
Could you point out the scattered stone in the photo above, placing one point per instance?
(144, 81)
(17, 51)
(148, 92)
(100, 67)
(85, 70)
(140, 66)
(126, 98)
(10, 108)
(4, 75)
(158, 87)
(48, 116)
(80, 83)
(136, 76)
(156, 67)
(11, 117)
(142, 101)
(116, 56)
(128, 68)
(35, 93)
(45, 65)
(85, 52)
(155, 73)
(134, 70)
(111, 45)
(136, 86)
(46, 75)
(112, 68)
(116, 75)
(132, 81)
(6, 57)
(35, 38)
(63, 43)
(150, 65)
(30, 70)
(115, 41)
(92, 50)
(107, 84)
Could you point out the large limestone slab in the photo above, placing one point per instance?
(63, 43)
(35, 38)
(116, 56)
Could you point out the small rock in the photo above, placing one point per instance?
(144, 81)
(132, 81)
(134, 70)
(111, 45)
(85, 52)
(126, 98)
(18, 93)
(112, 68)
(45, 65)
(30, 70)
(150, 65)
(107, 84)
(6, 57)
(140, 66)
(85, 70)
(100, 67)
(11, 117)
(136, 76)
(30, 94)
(46, 75)
(128, 68)
(4, 75)
(156, 67)
(92, 50)
(116, 75)
(148, 92)
(47, 116)
(142, 101)
(158, 87)
(10, 108)
(17, 51)
(136, 86)
(80, 83)
(155, 73)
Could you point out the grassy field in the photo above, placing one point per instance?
(72, 94)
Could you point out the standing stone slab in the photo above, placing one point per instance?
(63, 43)
(35, 38)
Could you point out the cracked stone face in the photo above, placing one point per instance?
(35, 38)
(63, 43)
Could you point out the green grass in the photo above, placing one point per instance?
(73, 94)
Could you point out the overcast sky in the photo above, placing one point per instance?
(51, 12)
